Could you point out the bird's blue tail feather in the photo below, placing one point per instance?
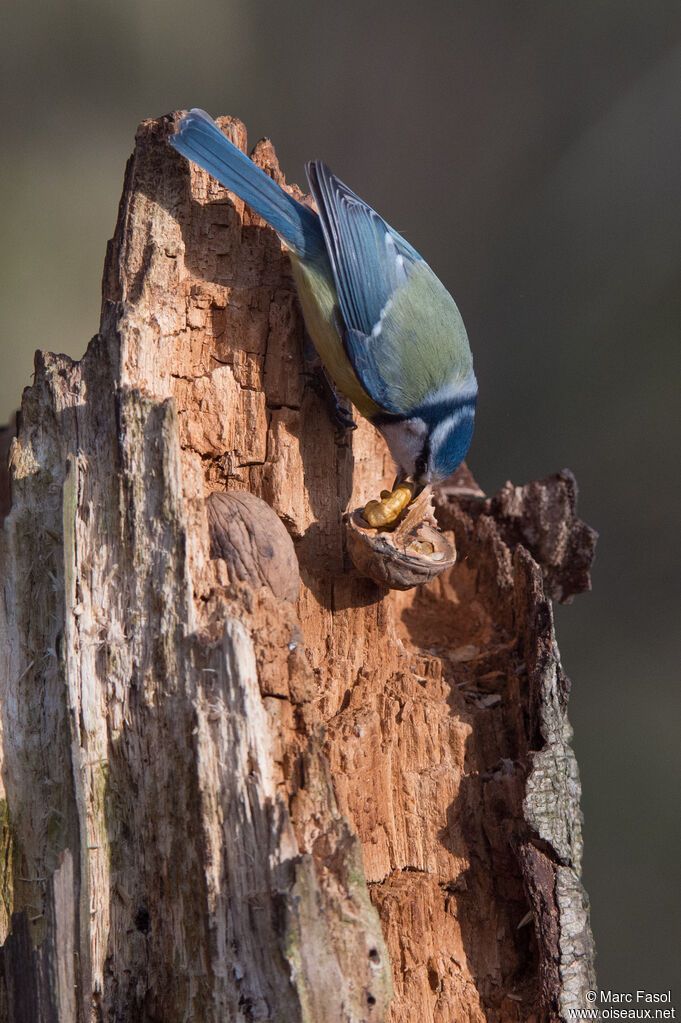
(199, 139)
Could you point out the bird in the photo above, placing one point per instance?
(388, 332)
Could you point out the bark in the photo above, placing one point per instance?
(221, 805)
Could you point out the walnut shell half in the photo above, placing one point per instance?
(412, 553)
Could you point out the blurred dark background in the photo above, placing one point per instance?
(532, 152)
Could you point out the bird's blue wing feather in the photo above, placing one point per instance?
(199, 139)
(374, 380)
(402, 330)
(369, 260)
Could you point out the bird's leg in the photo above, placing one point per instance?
(341, 417)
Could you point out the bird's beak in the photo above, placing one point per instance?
(405, 477)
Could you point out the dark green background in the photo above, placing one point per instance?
(532, 152)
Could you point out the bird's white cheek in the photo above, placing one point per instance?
(405, 441)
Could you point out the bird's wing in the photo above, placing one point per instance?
(403, 332)
(368, 259)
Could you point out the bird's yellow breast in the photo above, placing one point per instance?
(320, 308)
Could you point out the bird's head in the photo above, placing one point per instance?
(431, 444)
(445, 445)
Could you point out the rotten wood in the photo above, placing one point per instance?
(220, 805)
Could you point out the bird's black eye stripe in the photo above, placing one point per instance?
(421, 464)
(385, 418)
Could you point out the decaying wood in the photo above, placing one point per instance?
(221, 806)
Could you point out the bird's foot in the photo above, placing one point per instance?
(342, 419)
(340, 415)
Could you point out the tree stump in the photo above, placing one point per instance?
(221, 805)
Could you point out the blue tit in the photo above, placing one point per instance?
(388, 332)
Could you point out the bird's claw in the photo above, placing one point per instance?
(340, 416)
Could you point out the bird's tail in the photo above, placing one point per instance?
(199, 139)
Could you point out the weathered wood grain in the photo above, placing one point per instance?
(217, 805)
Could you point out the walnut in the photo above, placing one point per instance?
(252, 540)
(408, 554)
